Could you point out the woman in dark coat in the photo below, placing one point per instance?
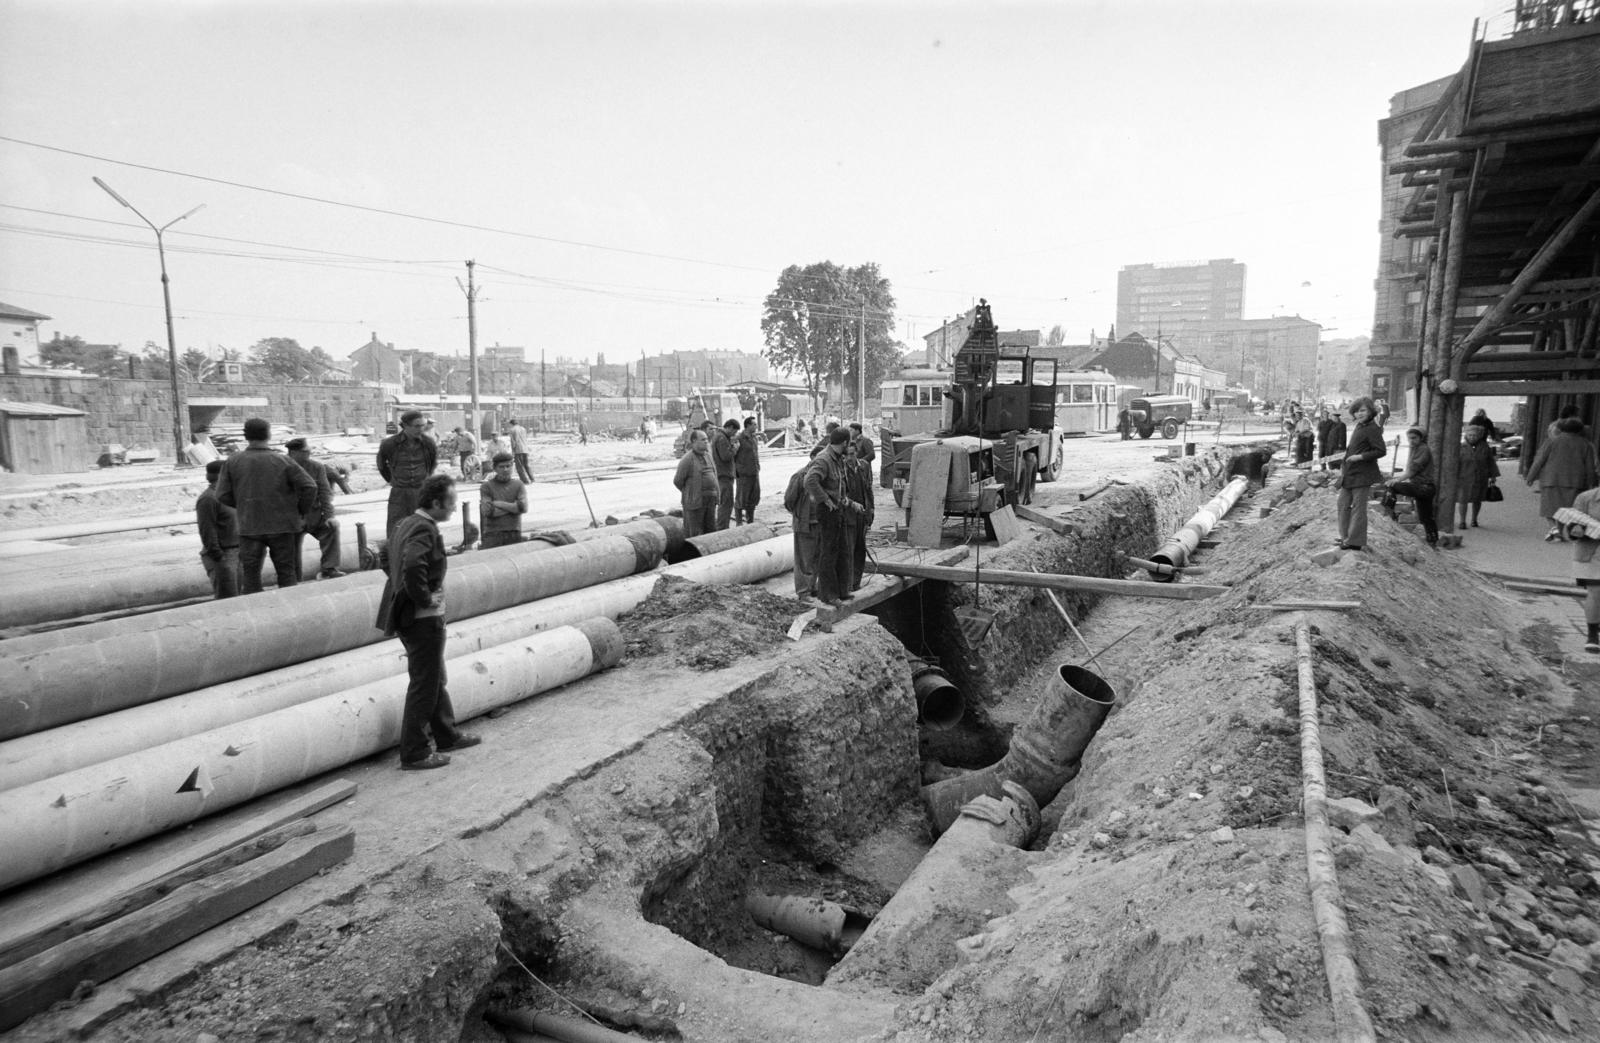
(1358, 474)
(1563, 467)
(1475, 472)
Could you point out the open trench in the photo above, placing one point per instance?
(623, 896)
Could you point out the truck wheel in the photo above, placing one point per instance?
(1030, 469)
(1144, 432)
(1169, 428)
(1051, 473)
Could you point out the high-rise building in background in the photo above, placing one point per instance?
(1170, 293)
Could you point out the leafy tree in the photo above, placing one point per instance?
(1056, 337)
(282, 358)
(811, 321)
(198, 364)
(106, 360)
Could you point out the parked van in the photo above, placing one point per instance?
(1166, 413)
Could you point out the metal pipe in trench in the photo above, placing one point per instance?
(1045, 750)
(940, 704)
(1175, 552)
(911, 940)
(70, 675)
(54, 751)
(64, 819)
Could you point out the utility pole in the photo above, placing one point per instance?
(471, 290)
(542, 379)
(861, 365)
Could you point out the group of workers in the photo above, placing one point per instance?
(831, 502)
(719, 477)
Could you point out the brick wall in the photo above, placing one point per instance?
(138, 413)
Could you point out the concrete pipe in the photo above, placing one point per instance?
(65, 819)
(717, 542)
(537, 1024)
(1045, 749)
(940, 704)
(1175, 552)
(968, 871)
(70, 675)
(55, 751)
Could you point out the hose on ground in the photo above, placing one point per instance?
(1350, 1019)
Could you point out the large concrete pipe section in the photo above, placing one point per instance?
(1174, 553)
(65, 819)
(55, 751)
(717, 542)
(1045, 750)
(959, 885)
(63, 676)
(940, 704)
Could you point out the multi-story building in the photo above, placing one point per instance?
(1166, 294)
(675, 374)
(1275, 356)
(1402, 262)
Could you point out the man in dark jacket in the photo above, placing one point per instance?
(405, 458)
(747, 473)
(273, 498)
(824, 483)
(219, 538)
(321, 525)
(858, 490)
(412, 606)
(866, 452)
(696, 479)
(722, 454)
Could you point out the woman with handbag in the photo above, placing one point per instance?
(1475, 474)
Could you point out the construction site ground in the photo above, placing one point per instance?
(597, 845)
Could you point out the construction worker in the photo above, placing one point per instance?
(321, 525)
(405, 459)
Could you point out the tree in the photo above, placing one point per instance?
(1056, 337)
(198, 365)
(811, 321)
(284, 359)
(106, 360)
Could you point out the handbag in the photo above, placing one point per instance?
(1493, 494)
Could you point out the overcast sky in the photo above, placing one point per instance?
(639, 173)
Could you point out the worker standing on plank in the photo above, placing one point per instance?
(502, 501)
(405, 458)
(219, 538)
(696, 479)
(858, 490)
(321, 525)
(273, 498)
(824, 483)
(413, 606)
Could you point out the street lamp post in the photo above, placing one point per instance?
(166, 299)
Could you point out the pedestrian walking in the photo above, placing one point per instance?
(273, 497)
(1358, 473)
(824, 483)
(219, 538)
(1304, 439)
(1476, 471)
(722, 455)
(747, 473)
(1480, 418)
(696, 479)
(467, 452)
(519, 450)
(321, 525)
(502, 501)
(1419, 482)
(1563, 467)
(412, 607)
(405, 459)
(1125, 424)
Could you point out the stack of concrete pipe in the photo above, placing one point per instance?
(78, 791)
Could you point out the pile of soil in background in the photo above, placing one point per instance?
(1171, 899)
(706, 627)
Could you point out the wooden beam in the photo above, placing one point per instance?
(125, 902)
(873, 592)
(1481, 368)
(1306, 606)
(1049, 581)
(1049, 521)
(107, 951)
(1438, 146)
(1530, 387)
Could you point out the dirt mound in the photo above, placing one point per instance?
(1172, 897)
(706, 627)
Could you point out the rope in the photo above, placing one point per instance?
(1350, 1019)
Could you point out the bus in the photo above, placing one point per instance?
(915, 403)
(1086, 402)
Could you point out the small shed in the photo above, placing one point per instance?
(39, 438)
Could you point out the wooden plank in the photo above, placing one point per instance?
(1573, 591)
(873, 593)
(1054, 524)
(101, 954)
(1004, 522)
(1530, 387)
(299, 807)
(1305, 606)
(1050, 581)
(42, 938)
